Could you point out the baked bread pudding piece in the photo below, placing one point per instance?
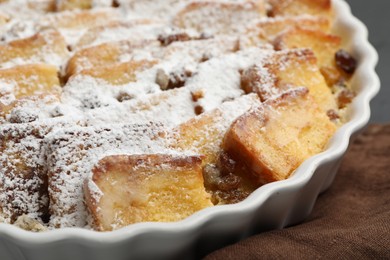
(210, 16)
(269, 28)
(23, 169)
(280, 73)
(72, 152)
(65, 5)
(275, 138)
(297, 7)
(27, 85)
(119, 112)
(153, 187)
(29, 80)
(47, 46)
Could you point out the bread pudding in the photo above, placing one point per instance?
(118, 112)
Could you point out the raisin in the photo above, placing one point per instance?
(342, 83)
(332, 76)
(205, 57)
(196, 95)
(204, 36)
(345, 61)
(251, 81)
(229, 182)
(123, 96)
(176, 79)
(211, 175)
(270, 12)
(165, 40)
(115, 4)
(230, 197)
(332, 114)
(227, 164)
(345, 97)
(198, 110)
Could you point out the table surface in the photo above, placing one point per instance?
(375, 14)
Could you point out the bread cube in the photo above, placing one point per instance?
(47, 46)
(118, 74)
(203, 134)
(83, 19)
(23, 182)
(285, 70)
(274, 139)
(297, 7)
(118, 31)
(127, 189)
(323, 45)
(269, 28)
(29, 80)
(106, 54)
(64, 5)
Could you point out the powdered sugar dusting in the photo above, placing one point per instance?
(194, 56)
(219, 79)
(171, 107)
(133, 29)
(6, 92)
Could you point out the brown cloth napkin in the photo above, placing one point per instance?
(349, 221)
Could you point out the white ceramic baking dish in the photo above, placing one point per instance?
(273, 206)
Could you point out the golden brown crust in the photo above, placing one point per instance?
(93, 33)
(120, 73)
(66, 5)
(106, 54)
(267, 29)
(123, 163)
(28, 84)
(197, 133)
(31, 80)
(82, 19)
(323, 45)
(35, 48)
(297, 7)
